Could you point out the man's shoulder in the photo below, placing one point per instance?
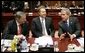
(36, 18)
(11, 21)
(49, 17)
(73, 18)
(60, 22)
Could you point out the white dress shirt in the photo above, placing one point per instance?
(44, 26)
(68, 21)
(17, 25)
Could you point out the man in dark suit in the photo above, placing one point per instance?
(17, 26)
(42, 25)
(68, 25)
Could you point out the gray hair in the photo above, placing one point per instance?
(19, 14)
(67, 11)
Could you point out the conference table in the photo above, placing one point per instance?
(62, 44)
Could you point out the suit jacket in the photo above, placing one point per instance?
(11, 29)
(74, 26)
(37, 27)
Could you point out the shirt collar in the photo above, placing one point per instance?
(41, 18)
(68, 20)
(17, 23)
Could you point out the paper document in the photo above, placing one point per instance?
(6, 42)
(44, 40)
(81, 41)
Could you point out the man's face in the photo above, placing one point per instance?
(64, 15)
(42, 12)
(22, 19)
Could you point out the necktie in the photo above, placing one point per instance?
(43, 27)
(66, 26)
(19, 30)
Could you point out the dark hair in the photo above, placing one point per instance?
(40, 7)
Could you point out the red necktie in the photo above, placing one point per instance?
(19, 30)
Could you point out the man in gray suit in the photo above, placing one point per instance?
(69, 25)
(42, 25)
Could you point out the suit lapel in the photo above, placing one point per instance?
(15, 26)
(46, 23)
(70, 23)
(62, 24)
(23, 28)
(39, 23)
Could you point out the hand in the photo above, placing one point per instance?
(62, 36)
(56, 34)
(72, 36)
(21, 37)
(82, 33)
(30, 34)
(9, 49)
